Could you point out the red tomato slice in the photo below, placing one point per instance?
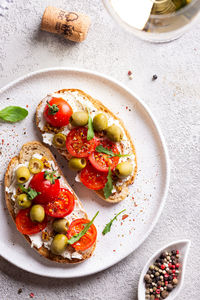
(93, 179)
(85, 241)
(102, 161)
(25, 225)
(78, 145)
(48, 191)
(62, 206)
(62, 116)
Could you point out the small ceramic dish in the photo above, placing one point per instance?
(183, 247)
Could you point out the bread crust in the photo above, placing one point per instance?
(25, 154)
(119, 195)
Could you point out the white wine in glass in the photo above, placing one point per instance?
(155, 20)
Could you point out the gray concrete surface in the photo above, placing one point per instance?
(174, 98)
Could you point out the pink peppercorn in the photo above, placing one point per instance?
(177, 266)
(157, 291)
(177, 251)
(166, 275)
(166, 282)
(162, 267)
(173, 271)
(173, 267)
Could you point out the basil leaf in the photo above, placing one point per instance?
(90, 132)
(13, 114)
(108, 225)
(101, 149)
(109, 186)
(77, 236)
(31, 193)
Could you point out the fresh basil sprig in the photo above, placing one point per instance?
(31, 193)
(77, 236)
(90, 132)
(13, 114)
(101, 149)
(109, 185)
(51, 176)
(108, 226)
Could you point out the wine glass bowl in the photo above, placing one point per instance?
(157, 20)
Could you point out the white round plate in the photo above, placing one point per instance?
(147, 195)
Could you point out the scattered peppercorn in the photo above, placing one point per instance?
(31, 295)
(154, 77)
(130, 75)
(161, 277)
(19, 291)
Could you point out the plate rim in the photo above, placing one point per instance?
(159, 132)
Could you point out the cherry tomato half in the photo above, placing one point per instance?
(78, 145)
(93, 179)
(57, 112)
(25, 225)
(48, 191)
(85, 241)
(102, 161)
(62, 206)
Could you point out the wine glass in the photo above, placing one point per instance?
(155, 20)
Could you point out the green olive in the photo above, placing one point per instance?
(35, 165)
(22, 174)
(59, 244)
(37, 213)
(23, 201)
(100, 122)
(79, 118)
(114, 133)
(77, 163)
(124, 169)
(60, 225)
(59, 140)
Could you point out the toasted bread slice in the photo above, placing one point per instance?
(24, 156)
(122, 190)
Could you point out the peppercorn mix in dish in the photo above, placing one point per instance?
(162, 276)
(93, 140)
(45, 209)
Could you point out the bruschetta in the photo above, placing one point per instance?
(93, 140)
(44, 207)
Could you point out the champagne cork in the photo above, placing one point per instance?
(72, 25)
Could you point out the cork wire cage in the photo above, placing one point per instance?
(159, 27)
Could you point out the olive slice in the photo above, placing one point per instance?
(35, 165)
(59, 140)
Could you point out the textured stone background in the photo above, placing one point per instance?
(174, 100)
